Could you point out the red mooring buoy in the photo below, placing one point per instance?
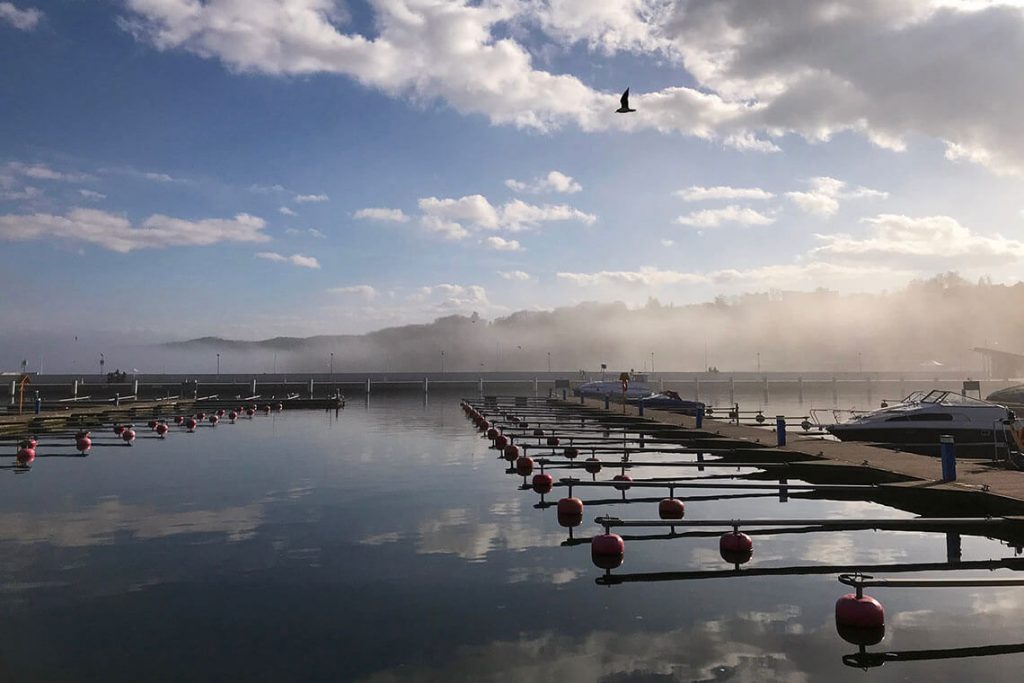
(622, 478)
(233, 415)
(501, 441)
(571, 453)
(512, 452)
(161, 429)
(671, 508)
(82, 442)
(607, 551)
(179, 420)
(25, 455)
(128, 436)
(214, 419)
(118, 430)
(191, 424)
(524, 466)
(592, 465)
(492, 433)
(554, 441)
(570, 506)
(543, 483)
(152, 424)
(736, 547)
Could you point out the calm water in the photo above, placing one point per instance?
(388, 544)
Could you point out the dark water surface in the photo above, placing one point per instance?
(387, 544)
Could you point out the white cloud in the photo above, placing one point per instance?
(42, 172)
(456, 218)
(92, 195)
(823, 198)
(313, 232)
(117, 233)
(516, 275)
(310, 198)
(381, 214)
(932, 242)
(645, 277)
(365, 291)
(667, 243)
(285, 211)
(761, 70)
(697, 193)
(781, 275)
(21, 19)
(295, 259)
(713, 218)
(160, 177)
(500, 244)
(554, 181)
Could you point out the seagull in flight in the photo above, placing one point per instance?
(624, 109)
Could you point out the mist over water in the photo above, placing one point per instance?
(930, 325)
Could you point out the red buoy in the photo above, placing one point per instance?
(118, 430)
(250, 412)
(161, 429)
(220, 412)
(191, 424)
(571, 453)
(492, 433)
(233, 416)
(592, 465)
(153, 424)
(501, 441)
(201, 416)
(179, 420)
(543, 483)
(622, 477)
(862, 613)
(524, 466)
(279, 407)
(607, 551)
(82, 442)
(266, 410)
(214, 419)
(25, 455)
(553, 441)
(671, 508)
(512, 452)
(736, 547)
(570, 506)
(128, 436)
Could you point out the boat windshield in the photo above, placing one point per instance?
(913, 397)
(949, 398)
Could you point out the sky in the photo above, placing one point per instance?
(251, 168)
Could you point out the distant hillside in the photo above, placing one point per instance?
(928, 323)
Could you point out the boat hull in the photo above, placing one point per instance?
(970, 443)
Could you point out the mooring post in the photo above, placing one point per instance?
(800, 389)
(39, 404)
(947, 449)
(253, 387)
(311, 387)
(835, 394)
(74, 389)
(367, 386)
(783, 490)
(640, 407)
(14, 390)
(953, 547)
(607, 401)
(700, 417)
(135, 389)
(426, 385)
(780, 430)
(117, 398)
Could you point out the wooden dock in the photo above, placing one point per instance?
(980, 485)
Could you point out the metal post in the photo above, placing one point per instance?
(700, 417)
(135, 390)
(117, 398)
(607, 401)
(783, 490)
(311, 387)
(253, 387)
(780, 430)
(954, 549)
(947, 449)
(367, 386)
(74, 389)
(14, 390)
(39, 404)
(640, 406)
(426, 385)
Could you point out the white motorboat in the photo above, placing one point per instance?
(979, 428)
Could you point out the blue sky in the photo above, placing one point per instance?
(172, 169)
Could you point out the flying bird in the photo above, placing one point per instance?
(624, 109)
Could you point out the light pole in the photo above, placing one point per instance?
(218, 365)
